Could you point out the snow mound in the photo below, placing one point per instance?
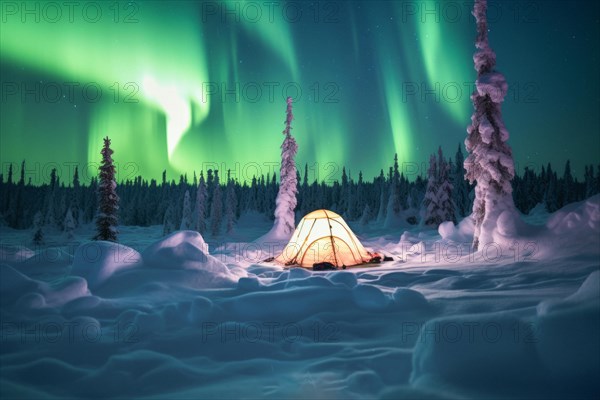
(185, 255)
(408, 237)
(13, 284)
(587, 294)
(52, 257)
(284, 305)
(461, 233)
(567, 331)
(248, 284)
(343, 277)
(183, 250)
(27, 294)
(369, 297)
(274, 237)
(299, 273)
(200, 309)
(583, 217)
(566, 343)
(100, 260)
(64, 291)
(476, 351)
(410, 300)
(14, 254)
(539, 210)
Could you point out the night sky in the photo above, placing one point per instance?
(187, 85)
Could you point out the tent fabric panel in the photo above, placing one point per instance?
(346, 234)
(321, 214)
(322, 250)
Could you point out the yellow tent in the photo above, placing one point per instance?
(323, 236)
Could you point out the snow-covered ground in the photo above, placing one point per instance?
(179, 318)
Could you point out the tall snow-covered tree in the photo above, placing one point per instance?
(438, 205)
(551, 193)
(394, 205)
(568, 192)
(306, 199)
(74, 200)
(9, 180)
(395, 195)
(201, 200)
(366, 215)
(49, 202)
(62, 208)
(285, 203)
(108, 201)
(38, 229)
(343, 202)
(22, 175)
(216, 208)
(590, 181)
(382, 197)
(187, 221)
(460, 193)
(169, 220)
(432, 211)
(360, 193)
(69, 224)
(445, 189)
(490, 163)
(230, 206)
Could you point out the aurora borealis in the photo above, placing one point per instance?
(188, 85)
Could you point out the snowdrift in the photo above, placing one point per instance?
(100, 260)
(573, 228)
(557, 349)
(174, 320)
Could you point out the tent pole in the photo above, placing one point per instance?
(331, 238)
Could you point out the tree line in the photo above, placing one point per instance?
(211, 201)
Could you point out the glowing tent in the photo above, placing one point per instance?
(323, 236)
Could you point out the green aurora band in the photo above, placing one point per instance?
(181, 60)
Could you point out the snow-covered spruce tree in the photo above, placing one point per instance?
(285, 203)
(360, 195)
(108, 201)
(186, 214)
(394, 206)
(49, 202)
(169, 220)
(62, 209)
(230, 206)
(366, 215)
(38, 232)
(551, 193)
(270, 193)
(74, 201)
(210, 187)
(445, 189)
(396, 189)
(460, 192)
(69, 224)
(343, 198)
(432, 210)
(568, 189)
(382, 197)
(306, 199)
(201, 199)
(216, 208)
(590, 181)
(490, 163)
